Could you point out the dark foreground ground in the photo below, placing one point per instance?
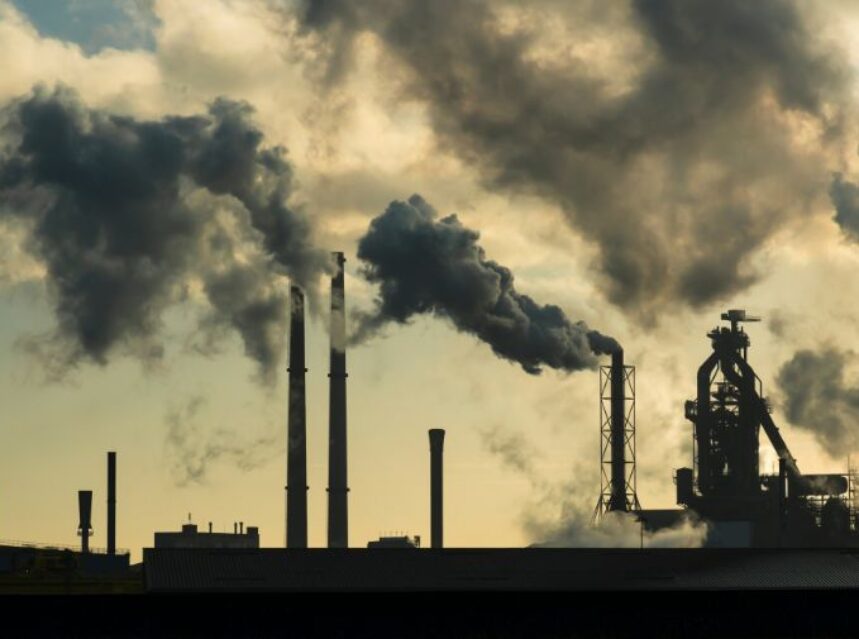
(786, 613)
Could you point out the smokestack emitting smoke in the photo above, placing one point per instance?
(338, 491)
(675, 151)
(296, 447)
(428, 265)
(436, 437)
(617, 500)
(85, 512)
(128, 215)
(111, 503)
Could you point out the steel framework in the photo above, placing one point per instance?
(632, 502)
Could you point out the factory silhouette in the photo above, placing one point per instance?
(786, 529)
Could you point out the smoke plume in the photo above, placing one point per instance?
(817, 398)
(695, 130)
(192, 450)
(128, 216)
(428, 265)
(560, 513)
(845, 199)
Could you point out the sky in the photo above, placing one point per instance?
(643, 167)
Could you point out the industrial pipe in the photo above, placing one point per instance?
(111, 503)
(436, 437)
(296, 455)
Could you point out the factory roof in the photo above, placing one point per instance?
(479, 569)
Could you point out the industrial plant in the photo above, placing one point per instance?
(763, 530)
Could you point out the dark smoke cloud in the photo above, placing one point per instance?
(428, 265)
(193, 450)
(126, 214)
(678, 177)
(845, 199)
(819, 400)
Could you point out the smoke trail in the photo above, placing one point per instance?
(559, 514)
(428, 265)
(845, 198)
(818, 398)
(678, 153)
(192, 451)
(126, 215)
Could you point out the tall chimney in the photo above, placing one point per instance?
(296, 455)
(436, 437)
(338, 513)
(85, 525)
(617, 500)
(111, 503)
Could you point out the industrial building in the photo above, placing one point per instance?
(189, 537)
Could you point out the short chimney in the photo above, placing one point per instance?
(85, 524)
(436, 437)
(111, 503)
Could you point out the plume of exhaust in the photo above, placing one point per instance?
(127, 215)
(676, 135)
(818, 398)
(560, 514)
(427, 265)
(192, 450)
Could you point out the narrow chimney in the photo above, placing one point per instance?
(436, 437)
(338, 513)
(617, 500)
(241, 528)
(111, 503)
(296, 455)
(85, 525)
(210, 527)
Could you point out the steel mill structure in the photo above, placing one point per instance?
(725, 487)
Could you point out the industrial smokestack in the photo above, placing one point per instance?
(338, 513)
(617, 500)
(85, 525)
(436, 437)
(111, 503)
(296, 454)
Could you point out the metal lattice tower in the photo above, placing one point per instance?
(631, 493)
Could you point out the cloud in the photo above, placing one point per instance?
(427, 265)
(818, 399)
(127, 215)
(679, 174)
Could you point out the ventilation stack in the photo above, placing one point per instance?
(436, 437)
(111, 503)
(338, 490)
(296, 455)
(617, 438)
(85, 525)
(617, 501)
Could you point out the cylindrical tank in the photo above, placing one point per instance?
(835, 517)
(685, 480)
